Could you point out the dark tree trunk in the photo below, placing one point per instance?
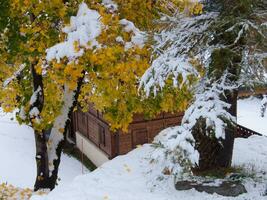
(49, 181)
(214, 154)
(46, 180)
(42, 176)
(217, 153)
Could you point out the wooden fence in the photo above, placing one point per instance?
(245, 132)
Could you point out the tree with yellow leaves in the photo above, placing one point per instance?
(50, 55)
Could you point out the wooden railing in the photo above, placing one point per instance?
(245, 132)
(247, 93)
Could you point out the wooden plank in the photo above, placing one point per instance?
(82, 123)
(169, 122)
(244, 132)
(125, 143)
(139, 136)
(257, 91)
(154, 127)
(93, 129)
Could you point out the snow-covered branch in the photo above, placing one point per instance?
(56, 135)
(208, 104)
(15, 75)
(175, 45)
(81, 34)
(175, 147)
(138, 38)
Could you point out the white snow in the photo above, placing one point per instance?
(127, 177)
(84, 29)
(34, 112)
(110, 5)
(138, 37)
(175, 153)
(17, 154)
(254, 153)
(15, 75)
(34, 95)
(135, 176)
(56, 135)
(249, 115)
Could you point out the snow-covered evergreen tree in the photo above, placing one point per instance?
(229, 41)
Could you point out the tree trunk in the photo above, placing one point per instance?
(45, 179)
(40, 136)
(42, 177)
(49, 178)
(217, 153)
(214, 153)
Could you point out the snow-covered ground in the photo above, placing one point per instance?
(17, 156)
(248, 115)
(127, 177)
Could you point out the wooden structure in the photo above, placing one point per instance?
(105, 144)
(93, 127)
(243, 93)
(244, 132)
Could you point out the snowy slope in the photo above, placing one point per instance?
(126, 178)
(17, 155)
(248, 115)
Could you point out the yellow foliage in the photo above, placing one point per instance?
(111, 73)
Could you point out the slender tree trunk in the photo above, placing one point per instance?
(40, 136)
(45, 179)
(51, 177)
(41, 162)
